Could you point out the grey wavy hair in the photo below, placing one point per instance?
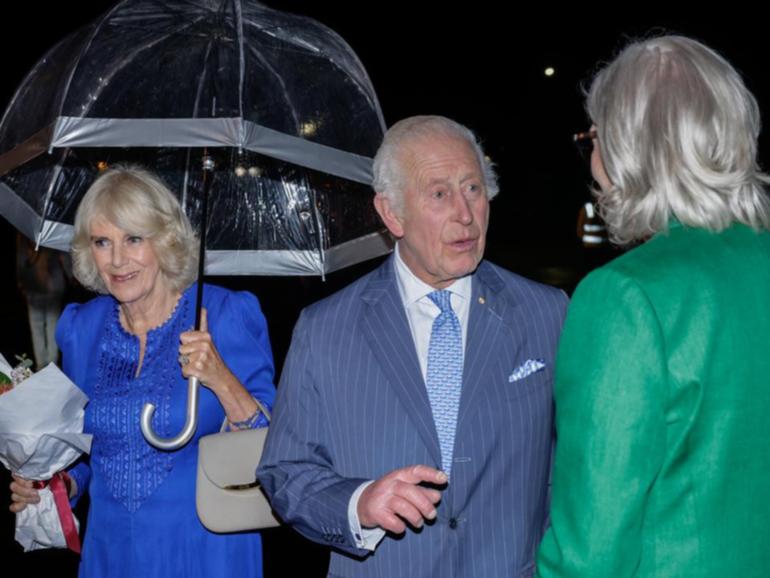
(389, 178)
(677, 132)
(137, 201)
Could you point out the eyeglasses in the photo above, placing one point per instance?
(584, 141)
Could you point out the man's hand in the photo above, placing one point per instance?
(396, 497)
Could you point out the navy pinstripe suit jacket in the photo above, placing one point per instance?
(352, 406)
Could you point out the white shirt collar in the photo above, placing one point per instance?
(412, 288)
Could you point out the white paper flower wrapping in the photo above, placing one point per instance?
(41, 433)
(38, 525)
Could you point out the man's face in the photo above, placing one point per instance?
(443, 224)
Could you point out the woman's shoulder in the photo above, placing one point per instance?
(678, 261)
(88, 312)
(228, 308)
(220, 298)
(80, 323)
(234, 315)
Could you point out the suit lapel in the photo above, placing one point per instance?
(490, 326)
(386, 328)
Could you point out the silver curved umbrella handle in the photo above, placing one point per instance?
(189, 427)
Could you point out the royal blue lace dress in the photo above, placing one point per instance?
(142, 521)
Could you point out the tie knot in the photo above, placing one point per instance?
(442, 299)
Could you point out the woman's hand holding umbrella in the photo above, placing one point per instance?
(199, 357)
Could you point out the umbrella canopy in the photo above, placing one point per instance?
(279, 100)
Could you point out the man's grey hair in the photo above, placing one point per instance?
(389, 178)
(677, 132)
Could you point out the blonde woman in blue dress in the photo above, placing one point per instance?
(134, 344)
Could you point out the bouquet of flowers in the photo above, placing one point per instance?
(41, 433)
(16, 375)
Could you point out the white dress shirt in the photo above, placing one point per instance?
(421, 312)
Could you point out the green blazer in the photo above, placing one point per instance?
(662, 396)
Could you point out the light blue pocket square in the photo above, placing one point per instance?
(527, 368)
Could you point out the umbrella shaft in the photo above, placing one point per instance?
(208, 177)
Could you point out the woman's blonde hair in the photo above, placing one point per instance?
(135, 200)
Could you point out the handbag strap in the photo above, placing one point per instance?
(260, 408)
(263, 409)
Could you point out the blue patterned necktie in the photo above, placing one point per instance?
(445, 374)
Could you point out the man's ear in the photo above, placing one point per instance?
(393, 221)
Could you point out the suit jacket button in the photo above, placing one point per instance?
(453, 523)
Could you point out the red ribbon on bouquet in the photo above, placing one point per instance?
(59, 485)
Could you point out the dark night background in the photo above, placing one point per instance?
(478, 65)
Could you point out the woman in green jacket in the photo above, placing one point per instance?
(662, 389)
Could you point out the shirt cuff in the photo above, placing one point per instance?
(365, 538)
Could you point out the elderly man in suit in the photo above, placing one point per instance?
(412, 429)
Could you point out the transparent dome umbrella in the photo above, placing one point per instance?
(279, 102)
